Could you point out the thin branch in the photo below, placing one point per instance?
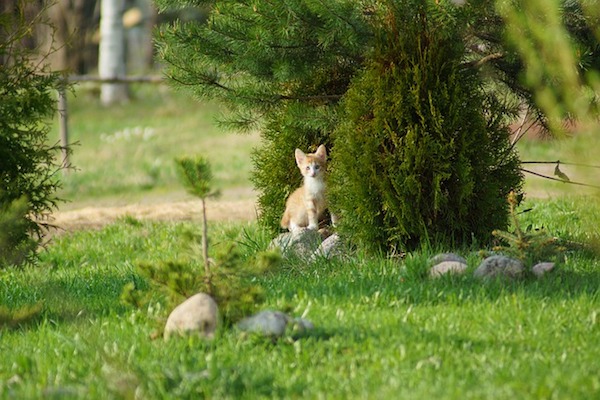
(479, 63)
(116, 79)
(558, 162)
(559, 180)
(312, 97)
(341, 17)
(519, 132)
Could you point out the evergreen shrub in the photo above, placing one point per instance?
(421, 153)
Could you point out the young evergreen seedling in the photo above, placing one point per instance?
(196, 175)
(530, 245)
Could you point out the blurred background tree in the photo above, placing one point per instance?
(28, 164)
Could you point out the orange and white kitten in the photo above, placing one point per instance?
(306, 205)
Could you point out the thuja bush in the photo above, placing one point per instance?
(28, 164)
(421, 152)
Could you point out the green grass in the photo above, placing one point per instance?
(382, 331)
(126, 152)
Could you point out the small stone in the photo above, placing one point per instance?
(301, 242)
(267, 323)
(331, 247)
(325, 232)
(541, 269)
(499, 266)
(301, 325)
(440, 258)
(447, 267)
(196, 315)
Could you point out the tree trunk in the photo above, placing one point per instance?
(111, 62)
(207, 272)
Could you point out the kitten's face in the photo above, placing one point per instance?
(312, 165)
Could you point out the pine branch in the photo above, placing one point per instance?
(312, 97)
(561, 162)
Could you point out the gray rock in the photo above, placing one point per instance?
(196, 315)
(301, 242)
(540, 269)
(447, 267)
(274, 324)
(499, 266)
(267, 323)
(329, 248)
(442, 257)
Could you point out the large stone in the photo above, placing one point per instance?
(499, 266)
(301, 242)
(196, 315)
(267, 323)
(447, 267)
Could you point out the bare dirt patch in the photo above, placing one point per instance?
(91, 217)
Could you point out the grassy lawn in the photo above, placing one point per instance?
(381, 329)
(125, 153)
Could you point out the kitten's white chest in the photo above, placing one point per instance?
(314, 187)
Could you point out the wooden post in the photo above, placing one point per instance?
(63, 127)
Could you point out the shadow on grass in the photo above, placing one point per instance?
(20, 318)
(73, 297)
(361, 285)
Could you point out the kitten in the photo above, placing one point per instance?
(306, 205)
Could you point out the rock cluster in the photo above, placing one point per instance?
(495, 266)
(198, 315)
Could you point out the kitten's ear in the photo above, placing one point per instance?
(300, 157)
(321, 152)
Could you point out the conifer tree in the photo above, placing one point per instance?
(280, 67)
(28, 163)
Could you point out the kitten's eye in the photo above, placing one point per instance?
(317, 167)
(307, 168)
